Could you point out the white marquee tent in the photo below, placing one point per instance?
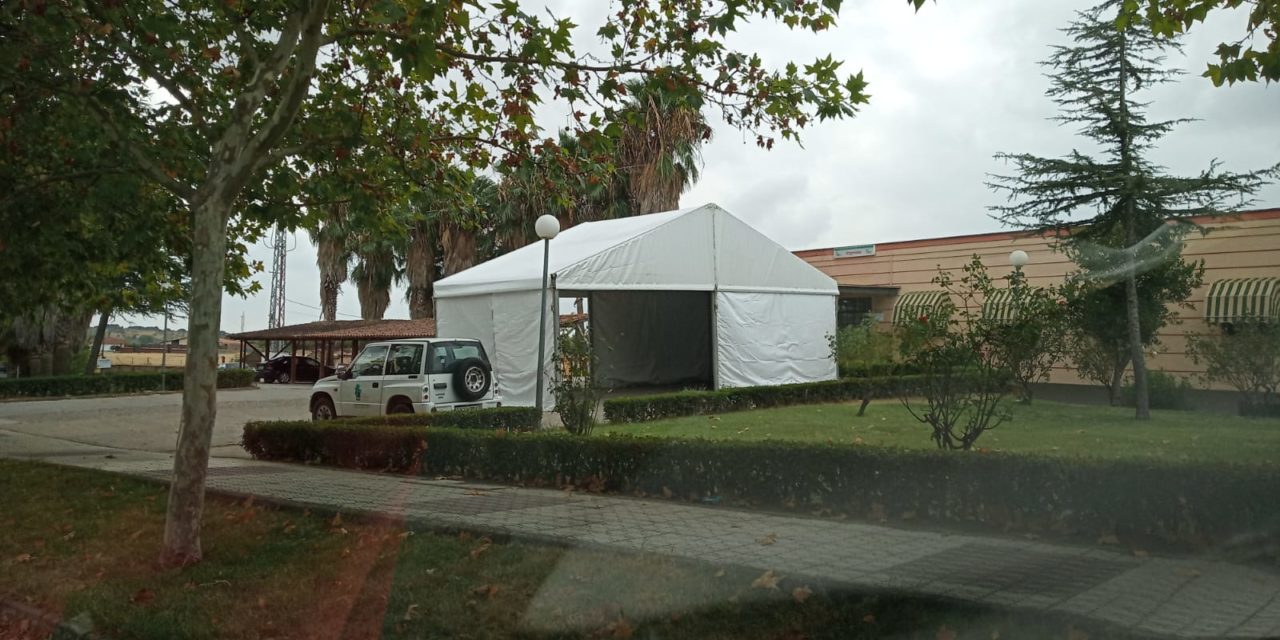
(694, 295)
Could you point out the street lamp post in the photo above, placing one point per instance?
(1019, 259)
(546, 227)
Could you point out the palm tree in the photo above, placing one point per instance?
(420, 269)
(333, 256)
(375, 272)
(458, 228)
(660, 149)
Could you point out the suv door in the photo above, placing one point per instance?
(403, 375)
(361, 394)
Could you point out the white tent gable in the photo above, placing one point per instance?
(689, 249)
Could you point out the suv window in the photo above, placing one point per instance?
(405, 359)
(369, 362)
(445, 354)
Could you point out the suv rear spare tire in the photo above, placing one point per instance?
(472, 379)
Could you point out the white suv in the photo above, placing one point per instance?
(418, 375)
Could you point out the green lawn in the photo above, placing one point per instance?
(1043, 427)
(80, 544)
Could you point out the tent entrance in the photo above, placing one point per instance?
(652, 338)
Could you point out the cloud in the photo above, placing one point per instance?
(950, 86)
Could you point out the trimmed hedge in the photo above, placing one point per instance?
(374, 442)
(877, 369)
(1181, 503)
(507, 418)
(112, 383)
(692, 403)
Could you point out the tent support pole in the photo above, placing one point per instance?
(542, 324)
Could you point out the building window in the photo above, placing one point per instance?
(852, 311)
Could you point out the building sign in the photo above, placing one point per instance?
(855, 251)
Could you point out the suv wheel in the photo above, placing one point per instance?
(399, 407)
(472, 379)
(322, 409)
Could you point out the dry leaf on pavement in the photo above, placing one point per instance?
(800, 594)
(769, 539)
(767, 580)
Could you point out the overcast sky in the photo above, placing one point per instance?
(950, 86)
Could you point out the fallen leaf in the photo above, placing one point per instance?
(22, 557)
(484, 545)
(477, 492)
(1076, 634)
(800, 594)
(143, 596)
(768, 540)
(411, 612)
(136, 534)
(1187, 572)
(336, 521)
(870, 618)
(70, 535)
(622, 629)
(767, 580)
(858, 440)
(720, 573)
(1110, 538)
(1139, 553)
(486, 590)
(666, 493)
(946, 633)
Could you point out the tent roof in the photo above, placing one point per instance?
(699, 249)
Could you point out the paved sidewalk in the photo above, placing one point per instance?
(1184, 598)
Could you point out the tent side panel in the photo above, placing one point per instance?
(774, 338)
(507, 324)
(651, 337)
(515, 320)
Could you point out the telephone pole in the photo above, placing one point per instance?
(280, 248)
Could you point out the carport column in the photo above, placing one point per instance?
(293, 361)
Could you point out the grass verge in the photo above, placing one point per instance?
(1048, 428)
(80, 544)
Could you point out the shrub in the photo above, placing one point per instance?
(576, 393)
(970, 360)
(1186, 503)
(111, 383)
(1248, 359)
(863, 346)
(1167, 391)
(692, 403)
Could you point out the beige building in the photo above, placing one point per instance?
(874, 279)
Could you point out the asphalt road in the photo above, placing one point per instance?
(150, 422)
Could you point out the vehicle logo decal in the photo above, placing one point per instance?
(357, 391)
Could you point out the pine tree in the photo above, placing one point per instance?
(1124, 213)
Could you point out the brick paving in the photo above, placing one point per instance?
(1172, 597)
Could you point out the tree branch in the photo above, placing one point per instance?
(296, 90)
(144, 161)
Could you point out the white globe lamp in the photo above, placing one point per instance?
(1019, 259)
(548, 227)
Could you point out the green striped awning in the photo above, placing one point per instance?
(915, 304)
(999, 306)
(1239, 299)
